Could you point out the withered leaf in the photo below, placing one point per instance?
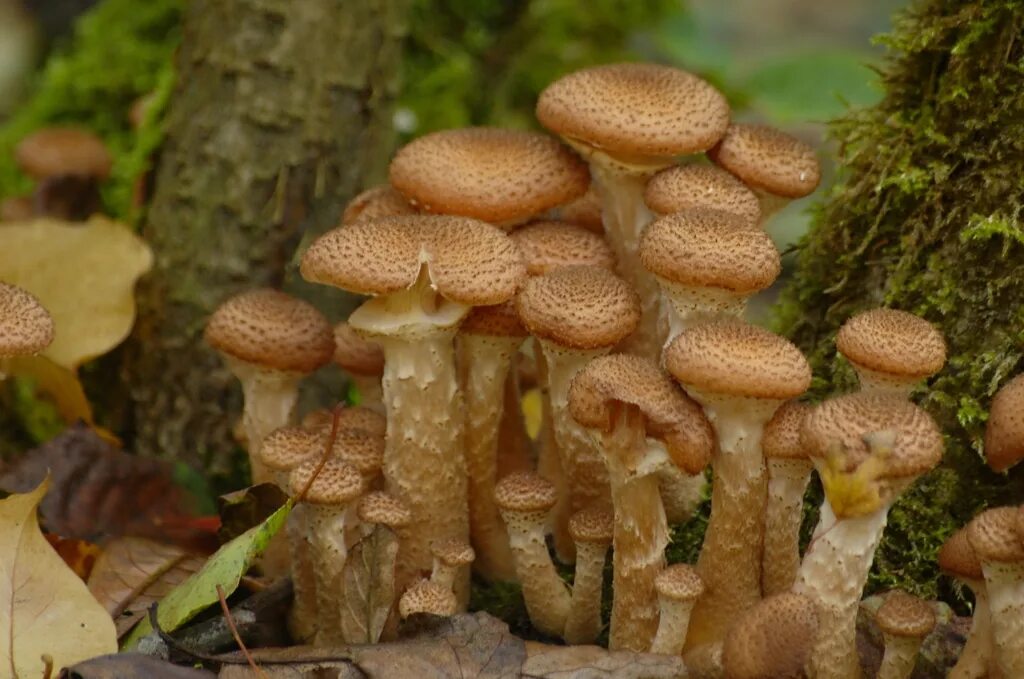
(562, 662)
(242, 509)
(368, 586)
(131, 666)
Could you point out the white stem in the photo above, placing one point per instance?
(443, 574)
(1005, 585)
(899, 657)
(270, 398)
(884, 383)
(546, 595)
(787, 481)
(977, 659)
(672, 626)
(583, 625)
(326, 525)
(690, 305)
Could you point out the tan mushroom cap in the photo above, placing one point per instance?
(384, 508)
(733, 358)
(525, 492)
(844, 421)
(905, 615)
(685, 187)
(288, 447)
(585, 212)
(893, 342)
(583, 307)
(356, 417)
(428, 597)
(679, 582)
(55, 151)
(594, 524)
(488, 173)
(272, 330)
(453, 552)
(338, 483)
(551, 245)
(470, 262)
(360, 448)
(26, 327)
(710, 249)
(669, 414)
(781, 438)
(768, 159)
(376, 202)
(958, 558)
(500, 320)
(772, 640)
(1004, 433)
(355, 354)
(644, 109)
(993, 535)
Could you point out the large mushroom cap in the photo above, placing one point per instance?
(25, 326)
(772, 640)
(669, 414)
(958, 558)
(272, 330)
(594, 524)
(781, 438)
(993, 535)
(710, 249)
(487, 173)
(547, 246)
(894, 342)
(469, 261)
(733, 358)
(55, 151)
(679, 582)
(287, 447)
(635, 109)
(525, 492)
(384, 509)
(500, 320)
(428, 597)
(686, 187)
(338, 482)
(355, 354)
(374, 203)
(584, 307)
(905, 615)
(768, 159)
(1004, 433)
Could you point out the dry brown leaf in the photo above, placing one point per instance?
(368, 587)
(565, 662)
(131, 666)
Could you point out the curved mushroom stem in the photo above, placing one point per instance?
(787, 481)
(899, 657)
(976, 660)
(326, 525)
(583, 624)
(270, 398)
(546, 595)
(1005, 585)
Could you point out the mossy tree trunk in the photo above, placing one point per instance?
(928, 218)
(281, 112)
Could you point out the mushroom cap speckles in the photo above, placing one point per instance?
(781, 438)
(679, 582)
(361, 449)
(338, 483)
(958, 558)
(894, 342)
(487, 173)
(355, 417)
(839, 425)
(469, 261)
(374, 203)
(385, 509)
(549, 245)
(272, 330)
(685, 187)
(904, 615)
(771, 640)
(768, 159)
(733, 358)
(287, 447)
(355, 354)
(25, 326)
(635, 109)
(710, 249)
(1004, 433)
(584, 212)
(453, 552)
(428, 597)
(583, 307)
(500, 320)
(669, 414)
(525, 492)
(993, 535)
(594, 524)
(55, 151)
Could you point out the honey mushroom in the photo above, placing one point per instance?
(592, 532)
(374, 203)
(26, 327)
(698, 187)
(958, 560)
(905, 621)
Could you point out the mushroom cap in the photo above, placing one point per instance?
(338, 483)
(488, 173)
(55, 151)
(993, 535)
(355, 354)
(768, 159)
(781, 437)
(499, 320)
(644, 109)
(679, 582)
(453, 552)
(958, 558)
(360, 448)
(583, 307)
(595, 524)
(686, 187)
(470, 262)
(25, 326)
(385, 509)
(550, 245)
(905, 615)
(525, 492)
(376, 202)
(1004, 433)
(669, 414)
(772, 640)
(894, 342)
(710, 249)
(355, 417)
(846, 420)
(733, 358)
(272, 330)
(287, 447)
(428, 597)
(584, 212)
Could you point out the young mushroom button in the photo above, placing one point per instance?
(26, 328)
(687, 187)
(905, 621)
(679, 586)
(428, 597)
(1004, 433)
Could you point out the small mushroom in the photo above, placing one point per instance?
(449, 557)
(905, 621)
(550, 245)
(363, 361)
(688, 187)
(591, 530)
(376, 202)
(958, 559)
(679, 586)
(772, 640)
(68, 164)
(1004, 433)
(26, 328)
(428, 597)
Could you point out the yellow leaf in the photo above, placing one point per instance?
(532, 412)
(84, 274)
(46, 608)
(56, 383)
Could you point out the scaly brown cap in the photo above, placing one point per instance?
(355, 354)
(500, 320)
(376, 202)
(679, 582)
(547, 246)
(338, 483)
(669, 414)
(904, 615)
(525, 492)
(768, 159)
(634, 109)
(489, 174)
(772, 640)
(26, 328)
(686, 187)
(355, 417)
(894, 342)
(1004, 433)
(453, 552)
(287, 447)
(958, 558)
(993, 535)
(733, 358)
(781, 438)
(583, 307)
(428, 597)
(584, 211)
(272, 330)
(470, 262)
(385, 509)
(55, 151)
(710, 249)
(594, 524)
(361, 449)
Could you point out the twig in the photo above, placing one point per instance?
(173, 643)
(47, 665)
(326, 455)
(234, 632)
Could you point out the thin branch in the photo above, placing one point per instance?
(234, 632)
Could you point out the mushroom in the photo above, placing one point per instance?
(363, 361)
(1004, 433)
(679, 586)
(356, 417)
(380, 513)
(958, 559)
(376, 202)
(68, 165)
(591, 531)
(428, 597)
(585, 211)
(425, 272)
(741, 374)
(891, 350)
(269, 341)
(643, 420)
(772, 640)
(362, 449)
(905, 621)
(629, 121)
(776, 166)
(868, 448)
(550, 245)
(26, 328)
(689, 187)
(449, 557)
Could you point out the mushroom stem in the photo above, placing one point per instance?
(976, 659)
(302, 616)
(583, 624)
(689, 305)
(549, 464)
(787, 481)
(270, 398)
(1004, 582)
(672, 626)
(899, 657)
(326, 525)
(884, 383)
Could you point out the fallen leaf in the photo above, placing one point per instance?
(83, 274)
(533, 414)
(47, 609)
(241, 510)
(79, 555)
(131, 666)
(594, 662)
(368, 586)
(56, 383)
